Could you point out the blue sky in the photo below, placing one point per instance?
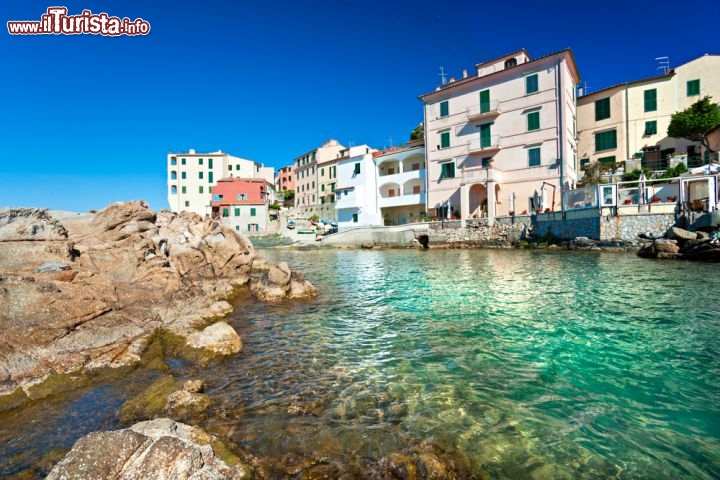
(86, 120)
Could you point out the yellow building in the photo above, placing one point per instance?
(630, 120)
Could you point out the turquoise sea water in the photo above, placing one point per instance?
(533, 364)
(530, 364)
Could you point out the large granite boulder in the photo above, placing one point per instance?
(157, 449)
(86, 292)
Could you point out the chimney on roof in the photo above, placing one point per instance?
(192, 151)
(464, 72)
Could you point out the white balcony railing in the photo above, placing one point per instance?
(483, 110)
(402, 200)
(479, 145)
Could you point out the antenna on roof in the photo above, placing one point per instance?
(442, 75)
(391, 141)
(663, 64)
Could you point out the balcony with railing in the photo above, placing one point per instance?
(483, 110)
(479, 175)
(485, 144)
(402, 200)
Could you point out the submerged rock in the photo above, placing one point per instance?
(280, 282)
(155, 449)
(166, 397)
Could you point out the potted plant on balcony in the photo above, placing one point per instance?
(655, 199)
(672, 198)
(628, 201)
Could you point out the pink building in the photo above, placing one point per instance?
(241, 203)
(285, 180)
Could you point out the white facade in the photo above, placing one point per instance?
(402, 185)
(493, 139)
(246, 218)
(356, 192)
(192, 175)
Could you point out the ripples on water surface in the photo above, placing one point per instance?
(533, 364)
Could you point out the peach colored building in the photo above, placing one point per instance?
(630, 120)
(494, 138)
(285, 180)
(306, 180)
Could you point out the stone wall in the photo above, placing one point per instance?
(501, 234)
(628, 227)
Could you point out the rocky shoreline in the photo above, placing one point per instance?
(85, 293)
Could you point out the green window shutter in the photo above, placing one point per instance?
(225, 212)
(444, 109)
(210, 177)
(332, 187)
(230, 167)
(693, 87)
(444, 139)
(237, 212)
(605, 140)
(583, 163)
(332, 199)
(533, 121)
(534, 157)
(651, 127)
(602, 109)
(355, 217)
(531, 84)
(322, 187)
(607, 160)
(210, 163)
(200, 161)
(650, 100)
(183, 175)
(447, 170)
(187, 203)
(200, 175)
(486, 162)
(184, 189)
(322, 200)
(183, 161)
(252, 212)
(484, 101)
(357, 169)
(485, 137)
(200, 190)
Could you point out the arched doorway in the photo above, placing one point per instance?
(477, 201)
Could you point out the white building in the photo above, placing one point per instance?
(402, 195)
(496, 137)
(192, 175)
(356, 191)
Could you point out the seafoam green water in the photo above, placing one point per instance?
(540, 365)
(533, 364)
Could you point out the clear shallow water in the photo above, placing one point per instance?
(532, 364)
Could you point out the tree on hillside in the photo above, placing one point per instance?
(695, 122)
(418, 133)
